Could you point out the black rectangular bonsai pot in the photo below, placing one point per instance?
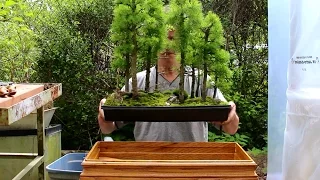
(166, 114)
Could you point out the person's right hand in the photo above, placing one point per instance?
(101, 113)
(106, 126)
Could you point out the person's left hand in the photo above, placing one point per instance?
(231, 115)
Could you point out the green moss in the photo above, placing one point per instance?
(157, 99)
(176, 93)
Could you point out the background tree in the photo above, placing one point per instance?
(75, 50)
(18, 46)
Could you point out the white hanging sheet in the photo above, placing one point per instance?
(301, 154)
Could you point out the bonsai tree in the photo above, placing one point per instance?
(139, 30)
(185, 16)
(193, 58)
(154, 34)
(133, 31)
(220, 70)
(122, 60)
(213, 56)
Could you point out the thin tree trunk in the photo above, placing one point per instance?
(193, 81)
(181, 83)
(215, 88)
(198, 83)
(156, 88)
(148, 66)
(204, 83)
(205, 68)
(182, 62)
(127, 72)
(134, 64)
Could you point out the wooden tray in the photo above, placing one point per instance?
(159, 160)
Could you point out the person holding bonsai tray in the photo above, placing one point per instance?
(168, 79)
(171, 131)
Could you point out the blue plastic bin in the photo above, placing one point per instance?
(66, 167)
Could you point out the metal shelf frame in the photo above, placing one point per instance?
(23, 108)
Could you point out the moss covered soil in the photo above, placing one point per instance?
(158, 99)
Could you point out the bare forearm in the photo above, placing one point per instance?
(106, 127)
(232, 127)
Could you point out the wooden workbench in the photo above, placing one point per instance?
(24, 91)
(29, 98)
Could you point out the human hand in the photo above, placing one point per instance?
(106, 126)
(231, 116)
(101, 112)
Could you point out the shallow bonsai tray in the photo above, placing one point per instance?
(166, 114)
(167, 160)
